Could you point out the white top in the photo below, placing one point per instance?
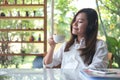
(72, 59)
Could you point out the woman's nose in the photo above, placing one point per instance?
(75, 23)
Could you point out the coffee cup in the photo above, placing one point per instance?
(58, 38)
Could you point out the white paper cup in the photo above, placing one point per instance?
(58, 38)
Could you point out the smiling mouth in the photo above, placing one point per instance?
(75, 28)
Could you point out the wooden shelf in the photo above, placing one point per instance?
(21, 18)
(8, 30)
(19, 7)
(5, 6)
(21, 41)
(26, 54)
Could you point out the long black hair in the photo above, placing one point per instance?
(90, 34)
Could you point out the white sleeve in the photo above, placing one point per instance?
(100, 59)
(57, 57)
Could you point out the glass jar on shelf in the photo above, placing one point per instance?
(39, 38)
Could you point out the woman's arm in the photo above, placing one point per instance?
(53, 59)
(49, 55)
(100, 59)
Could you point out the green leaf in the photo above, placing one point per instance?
(119, 45)
(112, 44)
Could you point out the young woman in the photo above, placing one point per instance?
(83, 50)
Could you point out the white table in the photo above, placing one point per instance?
(39, 74)
(44, 74)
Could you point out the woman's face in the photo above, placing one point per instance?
(80, 24)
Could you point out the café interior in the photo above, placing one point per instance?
(25, 27)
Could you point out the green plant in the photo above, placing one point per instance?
(59, 29)
(63, 14)
(114, 48)
(110, 27)
(0, 0)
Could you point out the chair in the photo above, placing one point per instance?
(110, 58)
(59, 66)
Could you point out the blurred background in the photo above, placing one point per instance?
(59, 16)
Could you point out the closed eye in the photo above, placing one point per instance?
(80, 21)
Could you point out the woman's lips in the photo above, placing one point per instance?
(75, 29)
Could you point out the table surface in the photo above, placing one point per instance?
(43, 74)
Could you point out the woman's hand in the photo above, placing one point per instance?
(51, 42)
(49, 55)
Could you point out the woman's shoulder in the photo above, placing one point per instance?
(100, 42)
